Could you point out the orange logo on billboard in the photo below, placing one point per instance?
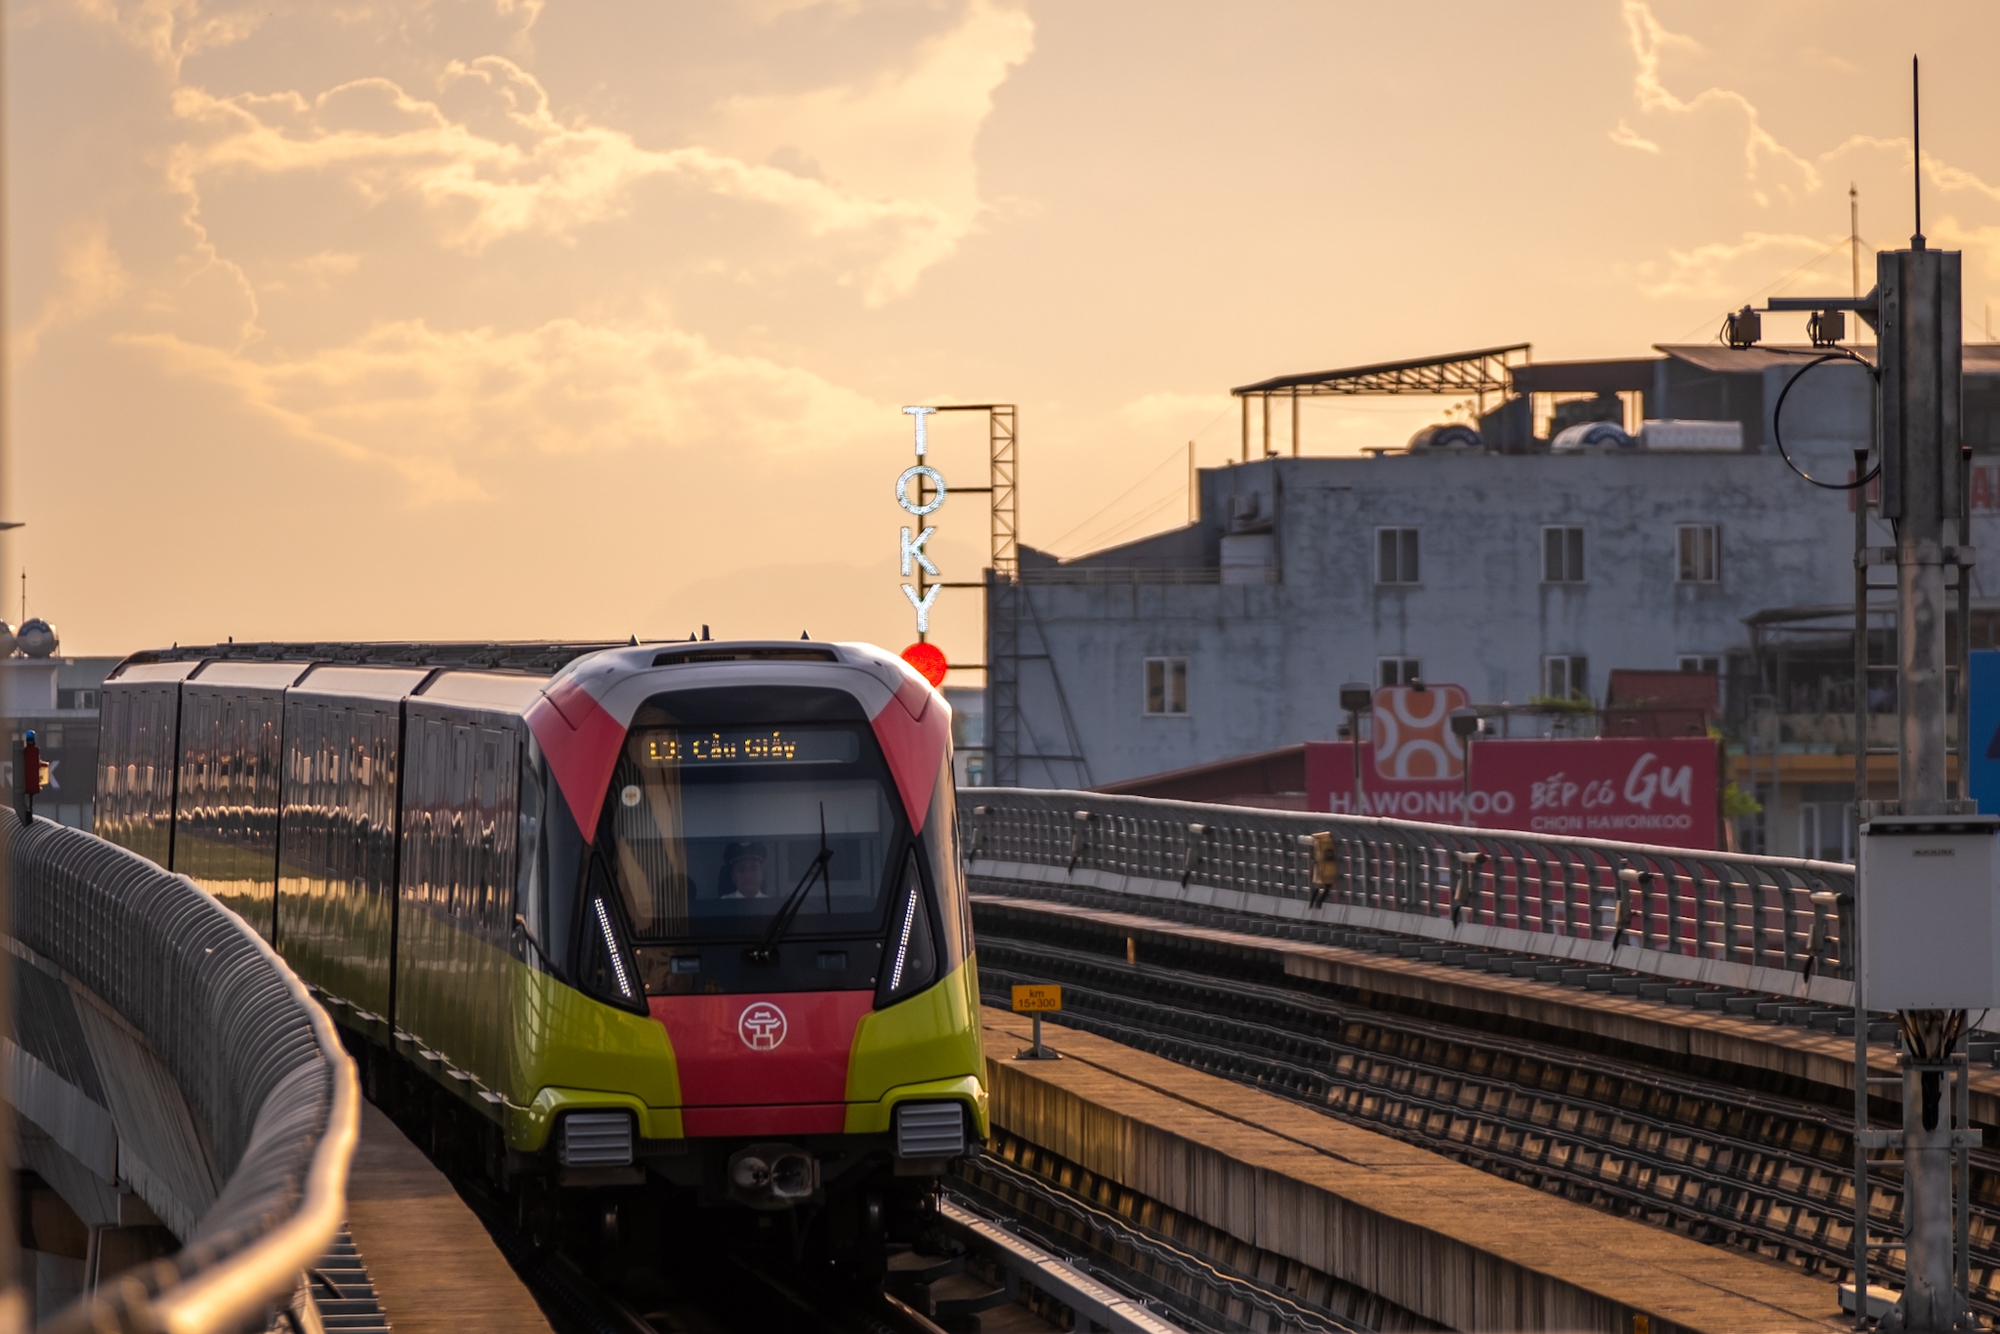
(1413, 732)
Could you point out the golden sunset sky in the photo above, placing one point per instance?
(523, 318)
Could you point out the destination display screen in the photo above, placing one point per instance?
(749, 746)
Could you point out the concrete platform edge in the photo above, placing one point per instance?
(1267, 1189)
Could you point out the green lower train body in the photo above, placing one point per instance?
(522, 1048)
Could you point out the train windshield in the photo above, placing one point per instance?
(713, 830)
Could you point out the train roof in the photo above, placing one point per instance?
(490, 673)
(531, 657)
(578, 699)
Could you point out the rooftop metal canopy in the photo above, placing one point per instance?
(1483, 371)
(1479, 373)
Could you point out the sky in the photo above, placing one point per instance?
(346, 319)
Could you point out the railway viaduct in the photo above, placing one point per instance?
(1316, 1072)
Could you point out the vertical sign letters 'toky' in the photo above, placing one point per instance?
(911, 548)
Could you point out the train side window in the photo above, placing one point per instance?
(487, 884)
(558, 864)
(528, 879)
(336, 804)
(458, 833)
(429, 800)
(941, 847)
(501, 821)
(388, 747)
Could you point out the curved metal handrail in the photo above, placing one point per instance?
(1753, 909)
(255, 1057)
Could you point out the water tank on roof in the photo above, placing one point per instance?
(37, 638)
(6, 640)
(1249, 558)
(1693, 437)
(1591, 438)
(1445, 436)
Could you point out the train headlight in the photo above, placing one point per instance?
(912, 956)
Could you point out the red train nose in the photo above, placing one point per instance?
(763, 1064)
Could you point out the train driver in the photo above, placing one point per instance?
(743, 871)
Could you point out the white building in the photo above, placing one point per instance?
(1517, 571)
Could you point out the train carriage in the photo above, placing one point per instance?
(687, 918)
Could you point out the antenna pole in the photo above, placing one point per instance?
(1917, 152)
(1854, 235)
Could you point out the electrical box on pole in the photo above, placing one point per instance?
(1929, 912)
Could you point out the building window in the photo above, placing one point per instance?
(1697, 662)
(1699, 547)
(1398, 671)
(1566, 676)
(1396, 556)
(1826, 833)
(1166, 686)
(1562, 555)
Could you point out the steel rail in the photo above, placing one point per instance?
(1178, 981)
(1257, 1072)
(1123, 1315)
(1812, 1215)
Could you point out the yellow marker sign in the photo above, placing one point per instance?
(1034, 999)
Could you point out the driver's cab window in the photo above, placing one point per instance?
(714, 830)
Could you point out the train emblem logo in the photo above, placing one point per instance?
(762, 1026)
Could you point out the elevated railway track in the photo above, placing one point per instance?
(1764, 1170)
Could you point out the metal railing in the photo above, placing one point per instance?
(1767, 912)
(1096, 575)
(257, 1061)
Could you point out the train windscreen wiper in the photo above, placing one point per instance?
(766, 950)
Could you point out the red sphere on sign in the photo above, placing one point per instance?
(928, 659)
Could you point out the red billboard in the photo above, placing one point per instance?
(1630, 789)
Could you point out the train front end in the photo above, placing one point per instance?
(770, 873)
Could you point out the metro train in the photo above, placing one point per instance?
(680, 921)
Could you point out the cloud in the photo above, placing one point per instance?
(1695, 130)
(907, 133)
(1815, 56)
(437, 406)
(1724, 269)
(411, 380)
(524, 171)
(1627, 137)
(172, 31)
(93, 279)
(493, 159)
(1177, 410)
(1762, 153)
